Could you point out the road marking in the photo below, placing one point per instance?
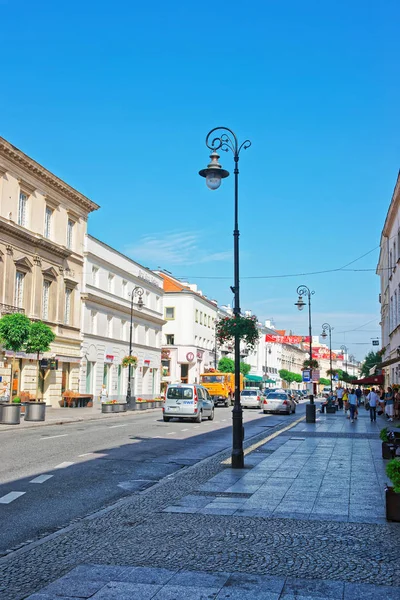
(227, 461)
(114, 426)
(86, 454)
(10, 497)
(50, 437)
(41, 478)
(63, 465)
(184, 429)
(171, 433)
(196, 426)
(224, 420)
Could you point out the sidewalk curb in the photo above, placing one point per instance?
(122, 501)
(79, 420)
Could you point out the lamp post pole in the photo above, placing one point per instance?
(344, 350)
(326, 327)
(139, 292)
(214, 173)
(303, 290)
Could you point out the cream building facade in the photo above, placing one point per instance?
(43, 223)
(388, 270)
(108, 282)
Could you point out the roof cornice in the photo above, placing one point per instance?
(393, 208)
(125, 309)
(18, 158)
(33, 238)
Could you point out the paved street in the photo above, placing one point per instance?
(73, 470)
(303, 520)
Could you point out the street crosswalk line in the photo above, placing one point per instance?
(10, 497)
(41, 478)
(63, 465)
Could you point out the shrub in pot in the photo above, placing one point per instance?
(386, 446)
(393, 493)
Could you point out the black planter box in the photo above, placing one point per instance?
(330, 409)
(388, 450)
(392, 505)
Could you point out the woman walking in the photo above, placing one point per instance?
(389, 399)
(353, 405)
(346, 403)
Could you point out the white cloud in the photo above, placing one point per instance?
(175, 248)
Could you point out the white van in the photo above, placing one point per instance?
(187, 401)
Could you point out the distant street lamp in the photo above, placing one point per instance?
(303, 290)
(213, 174)
(137, 291)
(326, 327)
(344, 350)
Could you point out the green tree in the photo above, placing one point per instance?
(14, 334)
(226, 365)
(371, 360)
(324, 381)
(244, 368)
(288, 376)
(40, 338)
(297, 378)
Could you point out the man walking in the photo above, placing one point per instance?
(339, 393)
(358, 394)
(373, 400)
(352, 405)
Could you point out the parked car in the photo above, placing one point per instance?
(251, 398)
(187, 401)
(279, 402)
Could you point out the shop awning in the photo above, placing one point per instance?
(254, 378)
(373, 379)
(269, 381)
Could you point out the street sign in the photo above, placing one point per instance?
(375, 342)
(316, 375)
(336, 378)
(306, 375)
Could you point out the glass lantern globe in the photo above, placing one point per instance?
(213, 180)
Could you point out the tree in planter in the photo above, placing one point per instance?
(14, 334)
(226, 365)
(288, 376)
(324, 381)
(40, 338)
(371, 360)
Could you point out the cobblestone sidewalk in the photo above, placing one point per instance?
(315, 530)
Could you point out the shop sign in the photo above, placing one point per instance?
(109, 358)
(286, 339)
(200, 354)
(316, 375)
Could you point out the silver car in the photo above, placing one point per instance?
(187, 401)
(251, 398)
(279, 402)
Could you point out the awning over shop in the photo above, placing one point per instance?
(254, 378)
(269, 381)
(373, 379)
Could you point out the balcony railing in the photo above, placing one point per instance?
(7, 309)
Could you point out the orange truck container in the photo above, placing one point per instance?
(221, 386)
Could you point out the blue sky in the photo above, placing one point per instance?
(117, 100)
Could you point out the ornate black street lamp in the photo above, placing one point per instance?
(326, 327)
(213, 174)
(137, 291)
(303, 290)
(344, 350)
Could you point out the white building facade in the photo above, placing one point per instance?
(188, 344)
(108, 282)
(389, 272)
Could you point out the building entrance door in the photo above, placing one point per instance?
(185, 373)
(65, 377)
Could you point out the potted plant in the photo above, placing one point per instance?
(393, 493)
(387, 447)
(10, 413)
(141, 404)
(246, 328)
(39, 340)
(108, 407)
(129, 360)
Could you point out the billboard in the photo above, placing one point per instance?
(286, 339)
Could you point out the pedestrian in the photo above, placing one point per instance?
(373, 400)
(358, 394)
(103, 394)
(339, 394)
(5, 393)
(389, 401)
(352, 405)
(397, 404)
(345, 398)
(381, 395)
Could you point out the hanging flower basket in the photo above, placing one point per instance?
(129, 360)
(245, 327)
